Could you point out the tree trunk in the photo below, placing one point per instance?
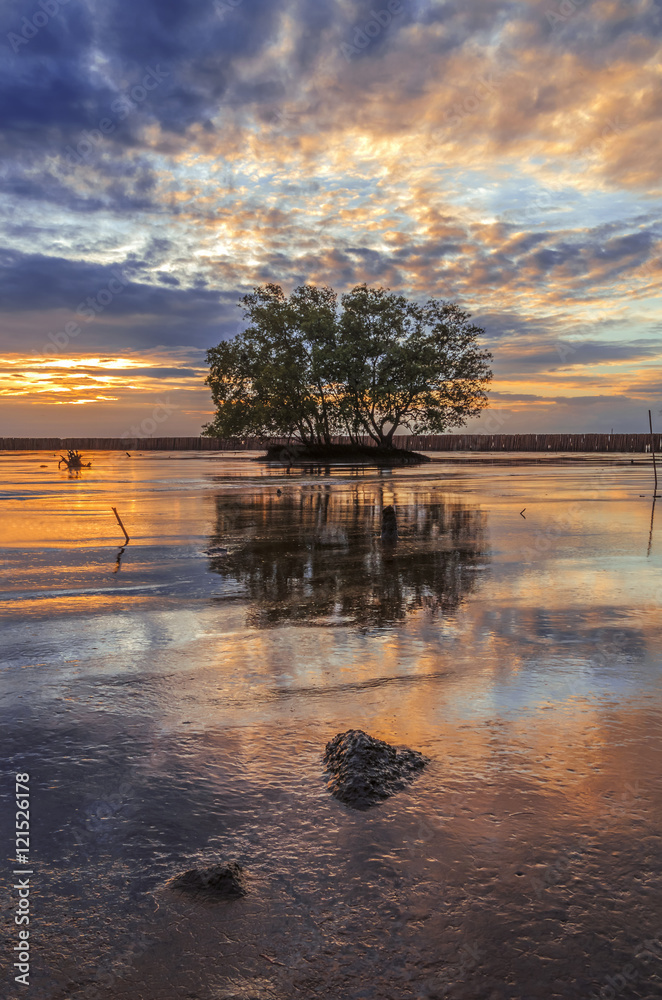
(325, 417)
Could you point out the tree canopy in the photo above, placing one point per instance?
(308, 368)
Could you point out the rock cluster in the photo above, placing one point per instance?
(363, 771)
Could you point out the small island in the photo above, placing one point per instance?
(311, 370)
(340, 454)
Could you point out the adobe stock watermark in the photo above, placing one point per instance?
(614, 810)
(546, 199)
(486, 87)
(117, 964)
(558, 870)
(548, 536)
(161, 412)
(430, 825)
(373, 28)
(651, 269)
(647, 953)
(543, 202)
(31, 26)
(496, 420)
(280, 119)
(608, 131)
(223, 6)
(565, 10)
(101, 815)
(483, 89)
(461, 968)
(565, 350)
(87, 310)
(122, 107)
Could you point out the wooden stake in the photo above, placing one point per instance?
(119, 521)
(650, 424)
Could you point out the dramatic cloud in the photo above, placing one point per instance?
(162, 157)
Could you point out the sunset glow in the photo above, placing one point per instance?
(503, 155)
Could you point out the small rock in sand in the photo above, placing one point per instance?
(217, 882)
(364, 770)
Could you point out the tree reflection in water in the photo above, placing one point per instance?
(314, 555)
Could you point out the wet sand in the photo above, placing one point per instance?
(171, 703)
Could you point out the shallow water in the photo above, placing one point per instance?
(171, 700)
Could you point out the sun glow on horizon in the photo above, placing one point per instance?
(48, 379)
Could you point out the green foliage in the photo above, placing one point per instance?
(305, 368)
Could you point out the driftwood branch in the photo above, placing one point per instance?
(73, 460)
(119, 521)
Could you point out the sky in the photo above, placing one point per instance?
(162, 157)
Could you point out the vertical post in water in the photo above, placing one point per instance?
(650, 424)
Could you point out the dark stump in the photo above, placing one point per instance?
(389, 524)
(364, 771)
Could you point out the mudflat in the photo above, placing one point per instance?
(171, 700)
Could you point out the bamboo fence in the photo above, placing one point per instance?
(411, 442)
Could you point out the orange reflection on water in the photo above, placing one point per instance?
(243, 629)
